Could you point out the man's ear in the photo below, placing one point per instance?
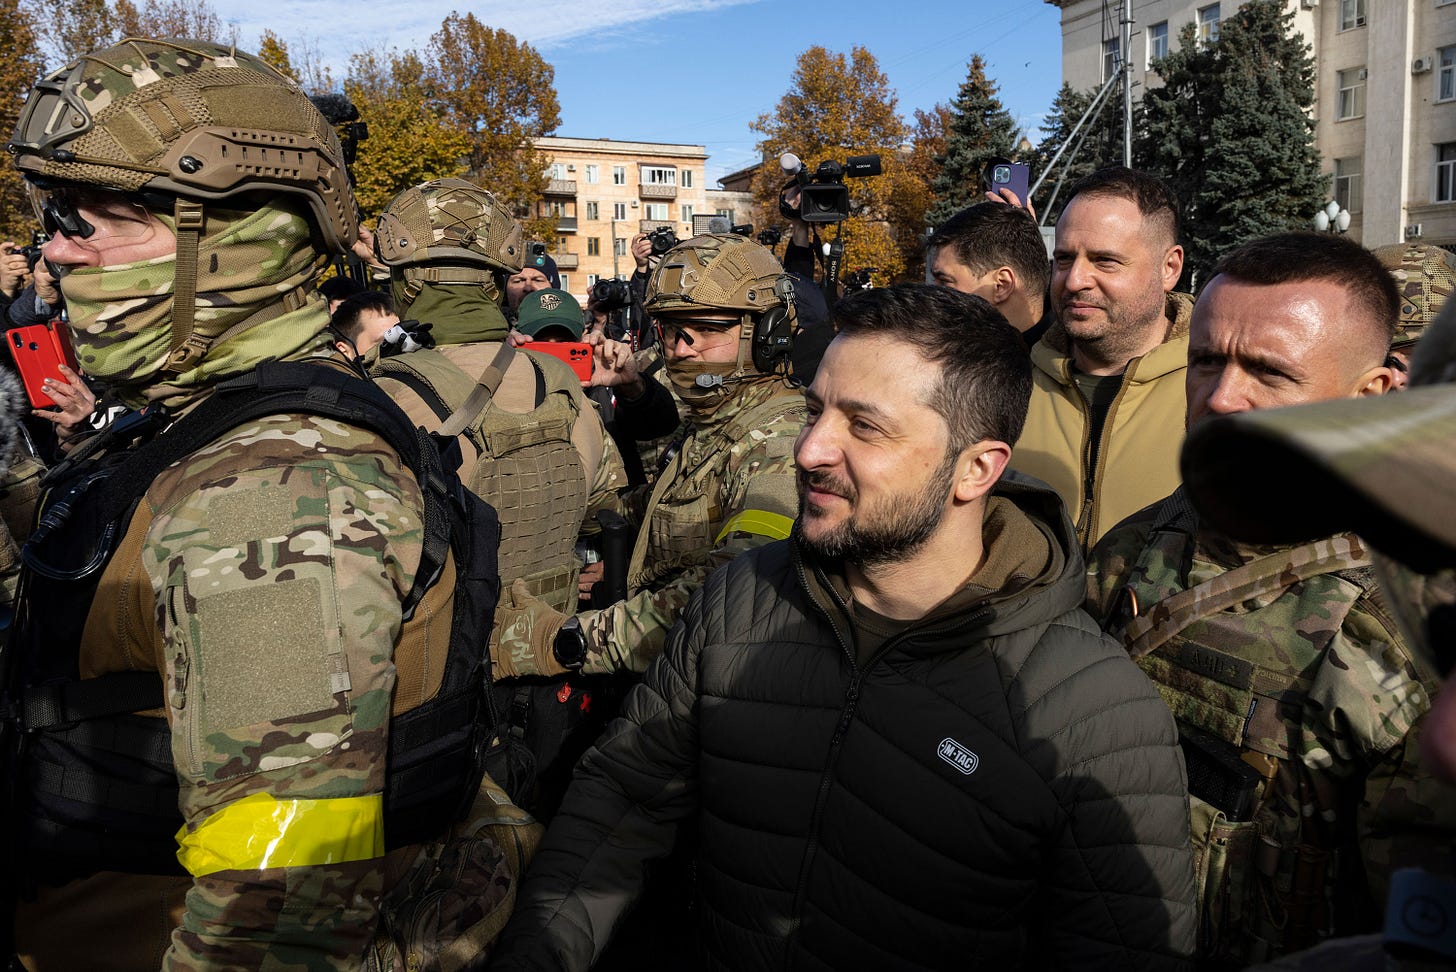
(980, 468)
(1172, 267)
(1376, 381)
(1004, 285)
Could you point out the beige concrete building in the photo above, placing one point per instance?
(604, 192)
(1385, 107)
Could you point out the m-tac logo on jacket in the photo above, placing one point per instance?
(958, 756)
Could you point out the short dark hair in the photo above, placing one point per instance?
(985, 373)
(337, 288)
(346, 320)
(1152, 196)
(1297, 257)
(990, 235)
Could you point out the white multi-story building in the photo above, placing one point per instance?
(603, 192)
(1385, 107)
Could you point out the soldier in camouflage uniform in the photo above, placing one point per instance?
(1383, 468)
(260, 579)
(724, 308)
(1425, 276)
(1297, 696)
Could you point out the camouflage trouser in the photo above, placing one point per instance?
(450, 908)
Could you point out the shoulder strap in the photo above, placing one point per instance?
(1168, 618)
(481, 394)
(280, 388)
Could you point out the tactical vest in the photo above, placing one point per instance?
(1234, 665)
(685, 513)
(524, 464)
(89, 759)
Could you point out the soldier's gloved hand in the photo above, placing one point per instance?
(524, 634)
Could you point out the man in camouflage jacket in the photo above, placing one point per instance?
(1298, 699)
(260, 579)
(724, 308)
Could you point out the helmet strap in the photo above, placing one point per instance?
(187, 348)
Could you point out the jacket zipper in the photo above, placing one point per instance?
(1092, 483)
(846, 716)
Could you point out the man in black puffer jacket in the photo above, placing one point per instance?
(902, 742)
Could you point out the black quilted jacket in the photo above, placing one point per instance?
(999, 790)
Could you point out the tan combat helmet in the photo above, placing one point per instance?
(448, 231)
(1425, 276)
(182, 124)
(725, 271)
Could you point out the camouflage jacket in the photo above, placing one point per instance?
(265, 589)
(729, 488)
(1311, 683)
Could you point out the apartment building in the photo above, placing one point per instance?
(1385, 108)
(603, 192)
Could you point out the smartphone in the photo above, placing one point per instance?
(577, 354)
(1015, 176)
(39, 351)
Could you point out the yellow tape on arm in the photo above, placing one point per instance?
(761, 523)
(262, 831)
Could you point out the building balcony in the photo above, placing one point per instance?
(566, 261)
(566, 224)
(657, 192)
(561, 187)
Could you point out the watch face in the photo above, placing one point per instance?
(570, 645)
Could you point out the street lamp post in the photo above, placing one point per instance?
(1332, 219)
(616, 274)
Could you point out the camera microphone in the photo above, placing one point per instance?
(790, 163)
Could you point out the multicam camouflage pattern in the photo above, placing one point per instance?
(187, 117)
(450, 220)
(1315, 687)
(740, 460)
(1425, 276)
(121, 316)
(717, 272)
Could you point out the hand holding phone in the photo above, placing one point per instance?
(39, 351)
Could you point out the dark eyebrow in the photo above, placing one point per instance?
(852, 405)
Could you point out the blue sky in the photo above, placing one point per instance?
(699, 71)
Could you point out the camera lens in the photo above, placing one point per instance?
(1002, 173)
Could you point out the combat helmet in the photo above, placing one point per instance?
(724, 271)
(460, 230)
(182, 124)
(1425, 276)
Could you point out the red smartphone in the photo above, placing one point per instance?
(577, 354)
(39, 351)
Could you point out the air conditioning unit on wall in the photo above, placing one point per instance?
(1422, 64)
(1413, 231)
(1309, 4)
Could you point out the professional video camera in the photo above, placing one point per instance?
(823, 196)
(663, 239)
(611, 294)
(770, 237)
(341, 113)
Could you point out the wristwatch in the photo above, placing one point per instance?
(569, 648)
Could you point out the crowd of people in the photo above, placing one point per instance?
(1041, 617)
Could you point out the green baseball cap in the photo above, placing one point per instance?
(543, 309)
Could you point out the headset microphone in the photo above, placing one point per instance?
(713, 381)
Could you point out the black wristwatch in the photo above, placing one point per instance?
(569, 647)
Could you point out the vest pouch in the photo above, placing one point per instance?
(1222, 855)
(449, 910)
(679, 533)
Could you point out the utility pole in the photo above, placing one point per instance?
(616, 273)
(1125, 49)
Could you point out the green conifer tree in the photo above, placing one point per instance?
(982, 129)
(1231, 131)
(1099, 144)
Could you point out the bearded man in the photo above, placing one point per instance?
(901, 742)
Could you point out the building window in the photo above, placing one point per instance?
(1446, 79)
(659, 175)
(619, 175)
(1350, 96)
(1208, 24)
(1157, 42)
(1347, 184)
(619, 210)
(687, 178)
(619, 246)
(1352, 14)
(592, 211)
(1109, 58)
(728, 213)
(1446, 172)
(594, 245)
(591, 174)
(557, 170)
(657, 211)
(561, 244)
(591, 280)
(687, 214)
(565, 281)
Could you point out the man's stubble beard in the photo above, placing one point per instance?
(894, 529)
